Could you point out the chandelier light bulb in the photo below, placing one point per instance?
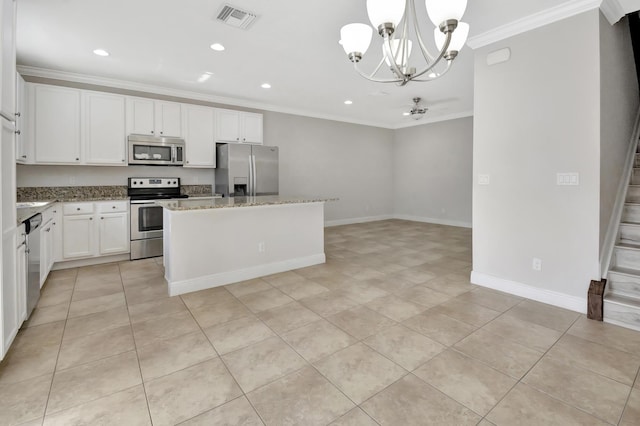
(356, 38)
(443, 10)
(458, 37)
(385, 11)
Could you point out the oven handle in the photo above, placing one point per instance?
(143, 202)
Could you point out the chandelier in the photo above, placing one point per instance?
(394, 19)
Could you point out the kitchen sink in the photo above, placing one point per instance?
(31, 204)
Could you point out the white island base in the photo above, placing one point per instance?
(210, 247)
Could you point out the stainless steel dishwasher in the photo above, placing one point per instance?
(32, 229)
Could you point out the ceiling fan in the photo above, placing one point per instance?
(417, 111)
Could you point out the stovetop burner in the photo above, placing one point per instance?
(154, 188)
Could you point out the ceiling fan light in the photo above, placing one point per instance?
(417, 115)
(396, 50)
(385, 11)
(356, 38)
(443, 10)
(458, 37)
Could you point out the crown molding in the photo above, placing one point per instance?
(414, 123)
(612, 10)
(537, 20)
(184, 94)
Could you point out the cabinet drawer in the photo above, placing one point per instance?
(49, 213)
(112, 207)
(71, 209)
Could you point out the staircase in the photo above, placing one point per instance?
(622, 298)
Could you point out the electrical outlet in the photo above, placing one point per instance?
(537, 264)
(484, 179)
(261, 248)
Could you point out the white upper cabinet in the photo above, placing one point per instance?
(21, 128)
(238, 126)
(55, 123)
(199, 136)
(155, 118)
(104, 129)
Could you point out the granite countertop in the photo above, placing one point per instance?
(26, 212)
(227, 202)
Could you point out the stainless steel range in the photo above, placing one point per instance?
(146, 215)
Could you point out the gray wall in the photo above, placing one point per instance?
(432, 172)
(536, 115)
(334, 159)
(618, 109)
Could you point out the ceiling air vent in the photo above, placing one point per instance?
(235, 17)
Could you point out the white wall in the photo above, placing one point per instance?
(537, 115)
(334, 159)
(432, 167)
(619, 107)
(29, 175)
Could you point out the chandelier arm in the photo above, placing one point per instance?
(371, 78)
(446, 70)
(388, 51)
(425, 52)
(438, 59)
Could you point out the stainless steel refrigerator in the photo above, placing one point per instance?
(246, 170)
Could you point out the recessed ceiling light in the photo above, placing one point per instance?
(204, 77)
(347, 102)
(217, 47)
(101, 52)
(266, 86)
(406, 113)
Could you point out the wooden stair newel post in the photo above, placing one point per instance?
(595, 299)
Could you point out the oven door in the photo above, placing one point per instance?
(146, 220)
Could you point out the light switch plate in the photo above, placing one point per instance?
(568, 179)
(484, 179)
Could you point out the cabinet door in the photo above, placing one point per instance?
(251, 124)
(104, 127)
(21, 275)
(77, 236)
(168, 119)
(114, 233)
(56, 124)
(21, 133)
(140, 116)
(199, 136)
(8, 55)
(11, 319)
(56, 251)
(227, 125)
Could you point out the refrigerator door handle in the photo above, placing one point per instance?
(250, 183)
(255, 177)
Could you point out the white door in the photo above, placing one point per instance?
(104, 126)
(56, 124)
(168, 119)
(77, 236)
(114, 233)
(251, 124)
(141, 116)
(200, 145)
(227, 125)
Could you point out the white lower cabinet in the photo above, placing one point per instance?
(14, 302)
(95, 229)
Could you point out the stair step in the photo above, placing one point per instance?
(635, 176)
(629, 233)
(622, 310)
(633, 194)
(631, 213)
(623, 283)
(626, 256)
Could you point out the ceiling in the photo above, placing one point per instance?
(293, 45)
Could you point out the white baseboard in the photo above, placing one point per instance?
(352, 220)
(89, 261)
(550, 297)
(457, 223)
(224, 278)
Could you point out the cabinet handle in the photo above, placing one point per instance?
(48, 229)
(162, 133)
(24, 156)
(54, 224)
(77, 159)
(18, 114)
(113, 207)
(237, 139)
(17, 132)
(78, 208)
(123, 160)
(152, 132)
(102, 218)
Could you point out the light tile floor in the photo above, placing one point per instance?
(389, 331)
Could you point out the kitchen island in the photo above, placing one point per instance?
(218, 241)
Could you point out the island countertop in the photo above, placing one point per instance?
(230, 202)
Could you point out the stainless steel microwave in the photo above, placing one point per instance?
(154, 150)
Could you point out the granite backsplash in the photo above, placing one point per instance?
(92, 193)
